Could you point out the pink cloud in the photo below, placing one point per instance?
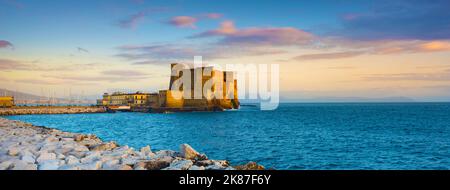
(336, 55)
(184, 21)
(133, 20)
(262, 36)
(5, 44)
(213, 15)
(351, 16)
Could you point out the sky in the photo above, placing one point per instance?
(325, 49)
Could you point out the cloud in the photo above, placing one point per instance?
(6, 44)
(82, 50)
(166, 53)
(258, 36)
(183, 21)
(213, 15)
(400, 19)
(132, 21)
(11, 65)
(337, 55)
(354, 48)
(96, 78)
(440, 76)
(124, 73)
(6, 64)
(13, 3)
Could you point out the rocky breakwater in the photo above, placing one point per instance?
(51, 110)
(27, 147)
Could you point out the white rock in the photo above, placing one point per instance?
(111, 163)
(29, 158)
(129, 161)
(6, 165)
(44, 156)
(163, 153)
(49, 165)
(60, 156)
(81, 148)
(72, 160)
(189, 153)
(24, 166)
(194, 167)
(69, 167)
(146, 150)
(117, 167)
(91, 166)
(180, 165)
(91, 157)
(13, 151)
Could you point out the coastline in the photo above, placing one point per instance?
(40, 110)
(24, 146)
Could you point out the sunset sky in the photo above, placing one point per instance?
(325, 49)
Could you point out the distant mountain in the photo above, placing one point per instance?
(26, 98)
(20, 95)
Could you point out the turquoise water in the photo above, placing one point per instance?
(295, 136)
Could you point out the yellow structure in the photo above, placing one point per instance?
(128, 99)
(6, 101)
(223, 94)
(207, 101)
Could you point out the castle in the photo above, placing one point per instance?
(221, 96)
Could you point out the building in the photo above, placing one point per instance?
(6, 101)
(224, 81)
(223, 87)
(137, 99)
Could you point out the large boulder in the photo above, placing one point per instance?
(44, 156)
(104, 146)
(250, 166)
(156, 164)
(189, 153)
(180, 165)
(49, 165)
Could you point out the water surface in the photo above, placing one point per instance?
(295, 136)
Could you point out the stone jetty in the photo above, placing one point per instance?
(51, 110)
(27, 147)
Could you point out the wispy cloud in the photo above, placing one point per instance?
(124, 73)
(82, 50)
(337, 55)
(13, 3)
(438, 76)
(166, 53)
(18, 65)
(134, 20)
(282, 36)
(7, 64)
(355, 48)
(183, 21)
(213, 15)
(6, 44)
(400, 19)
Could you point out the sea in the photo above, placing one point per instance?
(296, 136)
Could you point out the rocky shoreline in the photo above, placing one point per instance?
(27, 147)
(39, 110)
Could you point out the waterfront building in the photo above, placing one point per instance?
(224, 89)
(6, 101)
(224, 82)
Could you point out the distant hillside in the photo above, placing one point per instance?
(20, 95)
